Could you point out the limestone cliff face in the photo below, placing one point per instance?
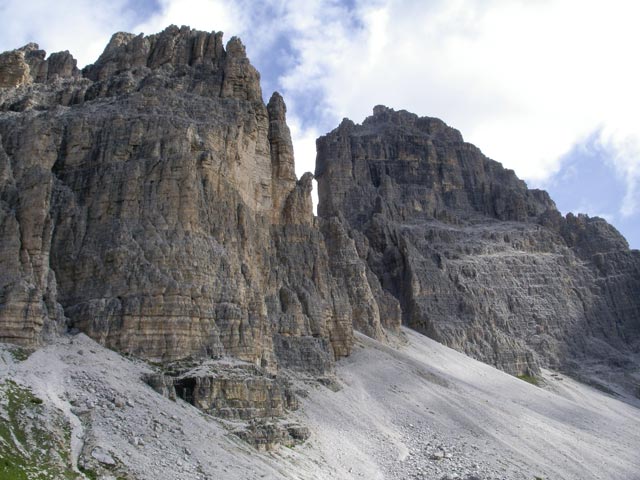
(475, 259)
(151, 202)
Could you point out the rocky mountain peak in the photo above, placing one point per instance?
(28, 65)
(475, 258)
(178, 58)
(276, 107)
(236, 48)
(385, 117)
(442, 176)
(151, 202)
(282, 161)
(172, 47)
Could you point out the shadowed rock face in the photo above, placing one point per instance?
(151, 202)
(475, 259)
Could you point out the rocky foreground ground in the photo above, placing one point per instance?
(412, 411)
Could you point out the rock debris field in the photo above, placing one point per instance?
(417, 410)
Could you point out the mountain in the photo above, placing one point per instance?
(477, 260)
(150, 202)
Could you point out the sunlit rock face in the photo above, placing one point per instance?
(151, 201)
(474, 258)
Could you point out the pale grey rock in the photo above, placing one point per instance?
(239, 391)
(268, 435)
(474, 258)
(437, 455)
(14, 70)
(151, 202)
(103, 456)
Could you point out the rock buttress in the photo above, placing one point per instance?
(475, 259)
(151, 202)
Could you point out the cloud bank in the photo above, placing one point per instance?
(528, 81)
(80, 26)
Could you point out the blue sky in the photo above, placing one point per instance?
(549, 88)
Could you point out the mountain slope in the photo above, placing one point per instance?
(395, 409)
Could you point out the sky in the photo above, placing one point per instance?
(549, 88)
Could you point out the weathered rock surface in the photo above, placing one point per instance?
(150, 201)
(14, 68)
(255, 404)
(474, 258)
(266, 436)
(237, 391)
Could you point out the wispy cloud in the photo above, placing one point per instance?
(524, 80)
(624, 145)
(80, 26)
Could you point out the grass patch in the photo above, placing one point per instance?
(32, 446)
(529, 379)
(19, 354)
(88, 473)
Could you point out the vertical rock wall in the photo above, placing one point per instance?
(151, 201)
(475, 259)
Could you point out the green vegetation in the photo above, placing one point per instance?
(19, 354)
(90, 474)
(530, 379)
(28, 449)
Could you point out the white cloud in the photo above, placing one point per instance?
(80, 26)
(304, 149)
(524, 81)
(207, 15)
(625, 145)
(304, 145)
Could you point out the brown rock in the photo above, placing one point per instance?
(14, 70)
(160, 213)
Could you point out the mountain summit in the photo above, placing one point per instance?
(477, 260)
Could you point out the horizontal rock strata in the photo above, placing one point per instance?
(151, 201)
(474, 258)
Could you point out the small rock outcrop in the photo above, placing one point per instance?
(28, 65)
(14, 69)
(474, 258)
(254, 405)
(237, 391)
